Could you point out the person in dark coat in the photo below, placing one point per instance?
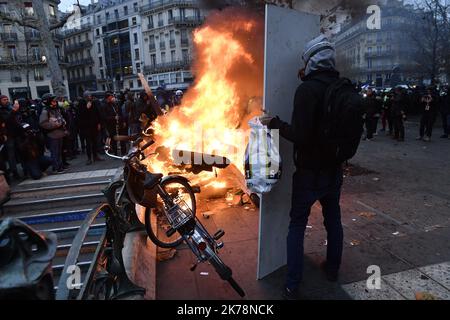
(114, 121)
(429, 103)
(318, 175)
(372, 110)
(398, 113)
(9, 116)
(89, 125)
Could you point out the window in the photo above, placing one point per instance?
(138, 68)
(35, 53)
(131, 84)
(135, 7)
(97, 32)
(133, 21)
(28, 8)
(51, 10)
(170, 15)
(163, 57)
(99, 47)
(150, 22)
(135, 37)
(12, 52)
(369, 63)
(107, 16)
(160, 20)
(184, 37)
(90, 70)
(116, 13)
(182, 13)
(139, 83)
(153, 60)
(38, 75)
(172, 55)
(185, 53)
(125, 10)
(100, 61)
(378, 49)
(136, 54)
(102, 74)
(99, 19)
(7, 28)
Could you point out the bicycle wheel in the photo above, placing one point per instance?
(176, 188)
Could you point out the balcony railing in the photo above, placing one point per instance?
(39, 78)
(9, 36)
(89, 77)
(82, 28)
(186, 21)
(78, 46)
(32, 36)
(170, 66)
(87, 61)
(165, 4)
(16, 79)
(160, 23)
(162, 45)
(20, 60)
(378, 54)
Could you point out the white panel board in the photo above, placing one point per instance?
(287, 32)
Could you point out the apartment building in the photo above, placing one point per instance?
(376, 56)
(23, 64)
(167, 27)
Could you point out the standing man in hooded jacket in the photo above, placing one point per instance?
(318, 175)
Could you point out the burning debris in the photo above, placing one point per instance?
(227, 92)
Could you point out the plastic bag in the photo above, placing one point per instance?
(262, 158)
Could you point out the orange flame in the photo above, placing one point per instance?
(227, 91)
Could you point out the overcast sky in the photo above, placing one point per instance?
(67, 4)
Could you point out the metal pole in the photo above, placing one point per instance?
(27, 65)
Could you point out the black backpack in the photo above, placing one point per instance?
(342, 122)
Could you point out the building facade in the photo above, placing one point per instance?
(167, 33)
(380, 57)
(23, 67)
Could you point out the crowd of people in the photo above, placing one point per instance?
(393, 107)
(68, 128)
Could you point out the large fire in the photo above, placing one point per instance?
(227, 91)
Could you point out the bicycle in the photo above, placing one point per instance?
(175, 197)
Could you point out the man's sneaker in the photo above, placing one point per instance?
(427, 139)
(61, 171)
(289, 294)
(419, 138)
(332, 274)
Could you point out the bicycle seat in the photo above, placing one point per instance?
(126, 138)
(152, 179)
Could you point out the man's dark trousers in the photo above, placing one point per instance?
(307, 188)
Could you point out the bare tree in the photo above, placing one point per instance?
(39, 21)
(431, 36)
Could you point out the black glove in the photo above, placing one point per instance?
(275, 123)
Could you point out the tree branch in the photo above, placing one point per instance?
(62, 22)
